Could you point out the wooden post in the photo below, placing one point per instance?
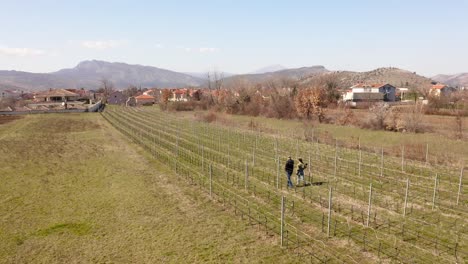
(297, 148)
(203, 158)
(460, 184)
(381, 163)
(278, 173)
(211, 181)
(253, 156)
(246, 175)
(369, 206)
(427, 153)
(406, 197)
(360, 161)
(310, 171)
(283, 200)
(330, 197)
(229, 155)
(403, 158)
(336, 163)
(435, 191)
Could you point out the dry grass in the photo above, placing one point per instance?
(75, 191)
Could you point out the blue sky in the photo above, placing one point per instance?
(428, 37)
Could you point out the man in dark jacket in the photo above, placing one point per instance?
(289, 168)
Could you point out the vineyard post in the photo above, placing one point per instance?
(310, 172)
(229, 155)
(427, 154)
(460, 184)
(360, 161)
(253, 155)
(203, 158)
(211, 181)
(336, 162)
(246, 175)
(330, 197)
(297, 148)
(403, 158)
(277, 173)
(406, 197)
(282, 219)
(370, 205)
(435, 190)
(381, 163)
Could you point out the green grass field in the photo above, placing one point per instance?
(74, 190)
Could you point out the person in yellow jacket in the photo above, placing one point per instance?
(300, 171)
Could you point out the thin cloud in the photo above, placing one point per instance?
(208, 50)
(101, 44)
(21, 52)
(159, 46)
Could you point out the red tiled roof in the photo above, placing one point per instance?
(439, 86)
(143, 96)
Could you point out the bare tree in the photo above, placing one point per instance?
(106, 88)
(379, 112)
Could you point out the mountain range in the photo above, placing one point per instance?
(89, 74)
(460, 79)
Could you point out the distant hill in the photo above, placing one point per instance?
(204, 75)
(294, 74)
(394, 76)
(271, 68)
(88, 74)
(460, 79)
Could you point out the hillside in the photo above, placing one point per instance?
(88, 74)
(295, 74)
(460, 79)
(394, 76)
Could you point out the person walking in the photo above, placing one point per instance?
(300, 171)
(289, 168)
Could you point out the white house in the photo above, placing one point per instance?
(371, 92)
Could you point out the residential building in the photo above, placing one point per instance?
(144, 99)
(441, 90)
(371, 92)
(58, 95)
(117, 98)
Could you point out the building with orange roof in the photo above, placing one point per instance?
(441, 90)
(144, 99)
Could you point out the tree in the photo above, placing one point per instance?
(130, 91)
(106, 88)
(309, 102)
(379, 112)
(166, 94)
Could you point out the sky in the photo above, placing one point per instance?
(428, 37)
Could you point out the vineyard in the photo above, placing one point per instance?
(357, 206)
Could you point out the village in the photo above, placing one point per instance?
(82, 100)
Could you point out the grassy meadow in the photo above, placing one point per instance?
(74, 190)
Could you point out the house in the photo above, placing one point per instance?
(15, 94)
(179, 95)
(371, 92)
(441, 89)
(58, 95)
(144, 99)
(117, 98)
